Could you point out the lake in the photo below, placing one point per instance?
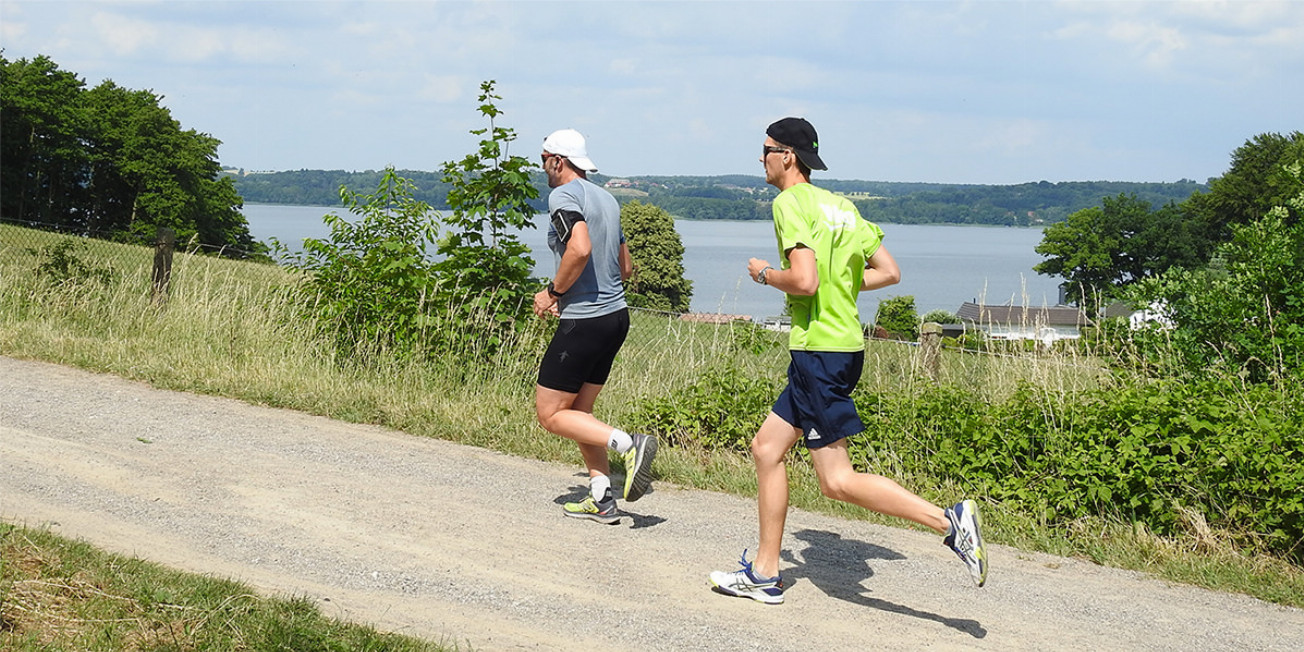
(942, 266)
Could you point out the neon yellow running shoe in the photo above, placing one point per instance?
(638, 466)
(604, 513)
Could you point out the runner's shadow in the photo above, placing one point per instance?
(837, 567)
(580, 492)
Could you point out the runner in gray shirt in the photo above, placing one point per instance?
(587, 294)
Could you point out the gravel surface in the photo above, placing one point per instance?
(451, 542)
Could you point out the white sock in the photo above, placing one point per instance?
(620, 441)
(600, 487)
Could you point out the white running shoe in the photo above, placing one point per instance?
(745, 584)
(966, 538)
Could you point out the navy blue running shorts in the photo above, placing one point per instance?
(818, 396)
(582, 351)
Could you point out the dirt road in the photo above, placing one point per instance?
(445, 541)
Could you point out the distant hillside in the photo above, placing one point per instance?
(745, 197)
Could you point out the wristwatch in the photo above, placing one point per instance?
(553, 291)
(760, 276)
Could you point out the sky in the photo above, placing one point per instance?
(981, 92)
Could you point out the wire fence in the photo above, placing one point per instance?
(60, 250)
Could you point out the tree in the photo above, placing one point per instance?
(1256, 182)
(44, 173)
(147, 172)
(1247, 311)
(110, 162)
(485, 271)
(371, 281)
(898, 317)
(654, 244)
(1099, 250)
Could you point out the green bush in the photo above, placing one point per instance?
(369, 282)
(897, 316)
(63, 263)
(1151, 452)
(1167, 454)
(722, 409)
(484, 277)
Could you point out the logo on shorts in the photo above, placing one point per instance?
(813, 434)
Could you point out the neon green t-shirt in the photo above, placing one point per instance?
(842, 241)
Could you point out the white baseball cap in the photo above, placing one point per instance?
(569, 144)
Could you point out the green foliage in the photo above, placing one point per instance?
(61, 265)
(1100, 250)
(1256, 181)
(1156, 453)
(1174, 455)
(721, 409)
(1247, 314)
(755, 340)
(897, 316)
(658, 282)
(110, 162)
(485, 268)
(370, 282)
(940, 316)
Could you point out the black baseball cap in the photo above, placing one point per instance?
(801, 137)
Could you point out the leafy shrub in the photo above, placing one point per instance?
(375, 285)
(753, 339)
(1147, 452)
(369, 281)
(63, 264)
(484, 276)
(722, 409)
(897, 316)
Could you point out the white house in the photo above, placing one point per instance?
(1046, 324)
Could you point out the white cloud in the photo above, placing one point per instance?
(937, 91)
(1153, 44)
(443, 89)
(123, 35)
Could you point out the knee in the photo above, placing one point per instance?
(767, 453)
(836, 486)
(545, 419)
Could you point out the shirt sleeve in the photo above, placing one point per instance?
(791, 227)
(873, 239)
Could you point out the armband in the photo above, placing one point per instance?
(563, 222)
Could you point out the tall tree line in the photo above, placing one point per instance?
(110, 162)
(1102, 250)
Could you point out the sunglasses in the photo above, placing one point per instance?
(766, 150)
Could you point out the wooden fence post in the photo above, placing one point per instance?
(164, 243)
(930, 349)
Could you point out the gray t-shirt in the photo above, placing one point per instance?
(598, 291)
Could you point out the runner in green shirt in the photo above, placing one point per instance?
(828, 255)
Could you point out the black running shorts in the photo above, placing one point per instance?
(582, 351)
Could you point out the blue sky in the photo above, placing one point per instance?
(956, 92)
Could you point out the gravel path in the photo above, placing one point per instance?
(450, 542)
